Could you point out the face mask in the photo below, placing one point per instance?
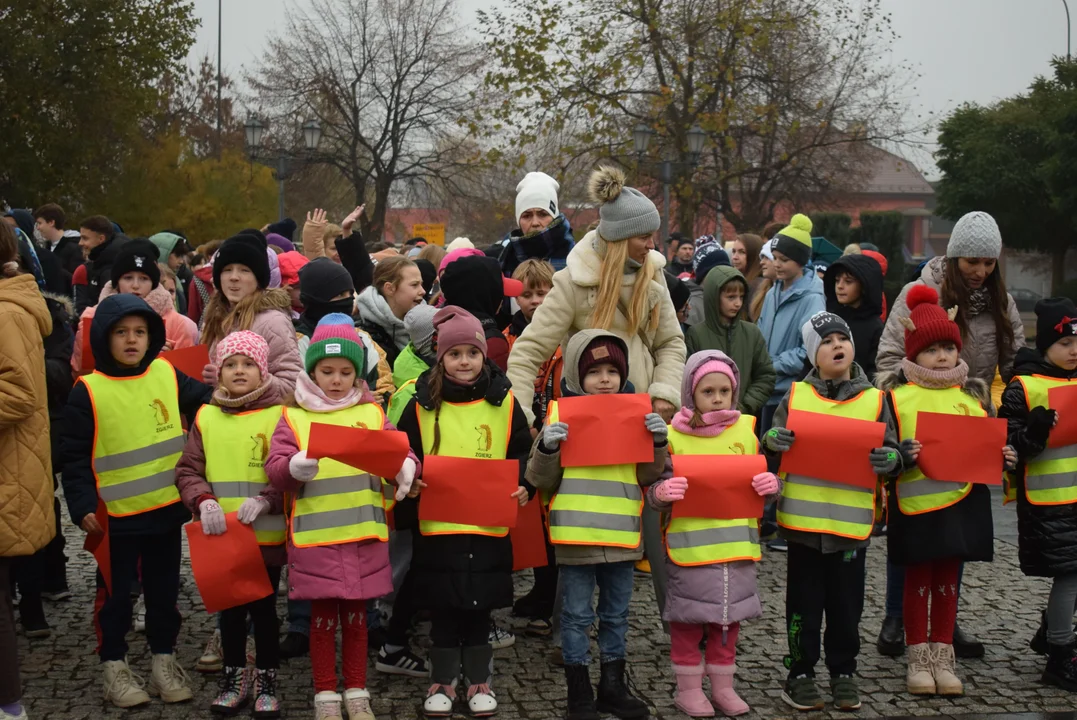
(315, 310)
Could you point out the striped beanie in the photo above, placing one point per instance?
(335, 336)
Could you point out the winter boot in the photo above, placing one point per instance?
(235, 686)
(613, 695)
(32, 617)
(1038, 643)
(122, 687)
(168, 680)
(357, 704)
(212, 659)
(942, 668)
(266, 702)
(478, 666)
(966, 647)
(891, 641)
(440, 700)
(327, 706)
(1061, 670)
(724, 696)
(918, 678)
(690, 698)
(581, 698)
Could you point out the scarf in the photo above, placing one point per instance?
(311, 397)
(225, 399)
(715, 421)
(979, 299)
(374, 309)
(935, 379)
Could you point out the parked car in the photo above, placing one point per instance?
(1026, 299)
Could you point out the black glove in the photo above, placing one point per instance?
(1039, 424)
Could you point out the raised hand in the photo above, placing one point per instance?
(349, 221)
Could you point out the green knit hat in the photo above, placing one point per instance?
(335, 337)
(794, 240)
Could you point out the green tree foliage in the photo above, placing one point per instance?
(834, 226)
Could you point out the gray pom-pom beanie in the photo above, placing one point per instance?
(623, 212)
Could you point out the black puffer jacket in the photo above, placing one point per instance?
(1047, 533)
(864, 319)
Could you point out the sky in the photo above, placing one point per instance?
(965, 50)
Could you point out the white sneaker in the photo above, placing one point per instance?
(327, 706)
(212, 659)
(9, 716)
(481, 701)
(168, 680)
(501, 638)
(139, 614)
(439, 700)
(357, 703)
(122, 687)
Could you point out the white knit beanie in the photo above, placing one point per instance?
(536, 190)
(976, 235)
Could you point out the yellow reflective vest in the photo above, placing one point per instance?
(341, 504)
(1051, 476)
(596, 505)
(138, 438)
(707, 541)
(236, 446)
(811, 504)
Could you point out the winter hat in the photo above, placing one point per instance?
(460, 243)
(274, 268)
(767, 251)
(818, 327)
(291, 263)
(427, 272)
(1056, 318)
(456, 326)
(707, 258)
(976, 234)
(168, 243)
(280, 241)
(336, 336)
(321, 280)
(927, 322)
(285, 228)
(250, 344)
(678, 293)
(794, 240)
(715, 366)
(536, 190)
(457, 253)
(603, 349)
(243, 249)
(138, 255)
(623, 212)
(419, 322)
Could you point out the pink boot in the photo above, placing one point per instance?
(690, 697)
(725, 697)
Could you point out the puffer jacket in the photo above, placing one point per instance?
(1047, 534)
(863, 320)
(27, 521)
(980, 349)
(655, 365)
(544, 467)
(780, 320)
(274, 324)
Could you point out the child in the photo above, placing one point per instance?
(854, 292)
(415, 359)
(536, 276)
(338, 552)
(220, 472)
(827, 524)
(725, 329)
(934, 526)
(1045, 490)
(463, 572)
(710, 563)
(121, 444)
(596, 363)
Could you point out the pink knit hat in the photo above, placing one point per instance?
(455, 255)
(249, 344)
(714, 366)
(456, 326)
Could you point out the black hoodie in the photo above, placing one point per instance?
(99, 269)
(475, 284)
(864, 320)
(76, 445)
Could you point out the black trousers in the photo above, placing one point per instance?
(453, 628)
(45, 570)
(818, 584)
(263, 615)
(10, 683)
(404, 604)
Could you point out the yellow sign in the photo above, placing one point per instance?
(433, 233)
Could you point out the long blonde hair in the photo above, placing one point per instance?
(611, 275)
(220, 319)
(755, 307)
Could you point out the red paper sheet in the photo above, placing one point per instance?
(719, 486)
(1063, 398)
(228, 568)
(378, 452)
(833, 448)
(470, 491)
(959, 448)
(190, 361)
(528, 541)
(99, 546)
(87, 351)
(605, 430)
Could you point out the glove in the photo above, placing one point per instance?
(765, 484)
(1039, 424)
(302, 469)
(671, 490)
(252, 509)
(656, 426)
(885, 460)
(404, 479)
(1009, 458)
(779, 439)
(554, 434)
(212, 516)
(910, 453)
(209, 375)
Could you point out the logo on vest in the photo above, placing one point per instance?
(161, 415)
(361, 425)
(259, 450)
(737, 448)
(485, 441)
(962, 409)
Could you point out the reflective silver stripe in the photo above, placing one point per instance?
(918, 488)
(594, 520)
(332, 519)
(1065, 452)
(600, 488)
(338, 485)
(711, 536)
(270, 523)
(122, 460)
(238, 489)
(134, 488)
(1052, 481)
(816, 482)
(826, 511)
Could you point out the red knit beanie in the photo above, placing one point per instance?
(604, 349)
(928, 323)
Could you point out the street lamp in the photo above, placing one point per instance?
(1067, 6)
(285, 161)
(254, 129)
(641, 139)
(312, 134)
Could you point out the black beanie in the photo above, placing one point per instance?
(1056, 318)
(285, 228)
(321, 280)
(428, 272)
(138, 255)
(678, 293)
(247, 248)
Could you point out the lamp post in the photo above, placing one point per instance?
(1067, 6)
(285, 162)
(641, 138)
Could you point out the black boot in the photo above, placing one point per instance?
(581, 699)
(1061, 669)
(891, 640)
(32, 617)
(966, 646)
(295, 644)
(1038, 643)
(613, 694)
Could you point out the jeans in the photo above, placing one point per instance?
(578, 582)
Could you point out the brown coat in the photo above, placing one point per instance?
(27, 522)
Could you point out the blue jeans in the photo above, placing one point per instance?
(895, 588)
(299, 616)
(578, 582)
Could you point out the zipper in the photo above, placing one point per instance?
(725, 603)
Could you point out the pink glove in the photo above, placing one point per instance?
(671, 490)
(209, 375)
(765, 483)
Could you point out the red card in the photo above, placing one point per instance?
(99, 546)
(605, 430)
(378, 452)
(528, 540)
(719, 486)
(470, 491)
(228, 568)
(1063, 398)
(190, 361)
(834, 448)
(87, 351)
(959, 448)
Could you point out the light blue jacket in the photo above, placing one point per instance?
(780, 323)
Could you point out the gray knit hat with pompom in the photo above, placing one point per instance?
(623, 212)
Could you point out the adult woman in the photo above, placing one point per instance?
(745, 258)
(27, 520)
(397, 288)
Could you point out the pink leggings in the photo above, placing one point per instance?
(684, 641)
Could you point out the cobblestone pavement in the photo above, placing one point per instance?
(998, 604)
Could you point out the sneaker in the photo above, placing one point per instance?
(500, 638)
(58, 595)
(643, 566)
(357, 704)
(845, 692)
(21, 715)
(295, 644)
(539, 627)
(139, 614)
(401, 662)
(327, 706)
(266, 703)
(252, 656)
(481, 701)
(212, 659)
(32, 618)
(168, 680)
(778, 545)
(235, 692)
(801, 693)
(122, 687)
(439, 701)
